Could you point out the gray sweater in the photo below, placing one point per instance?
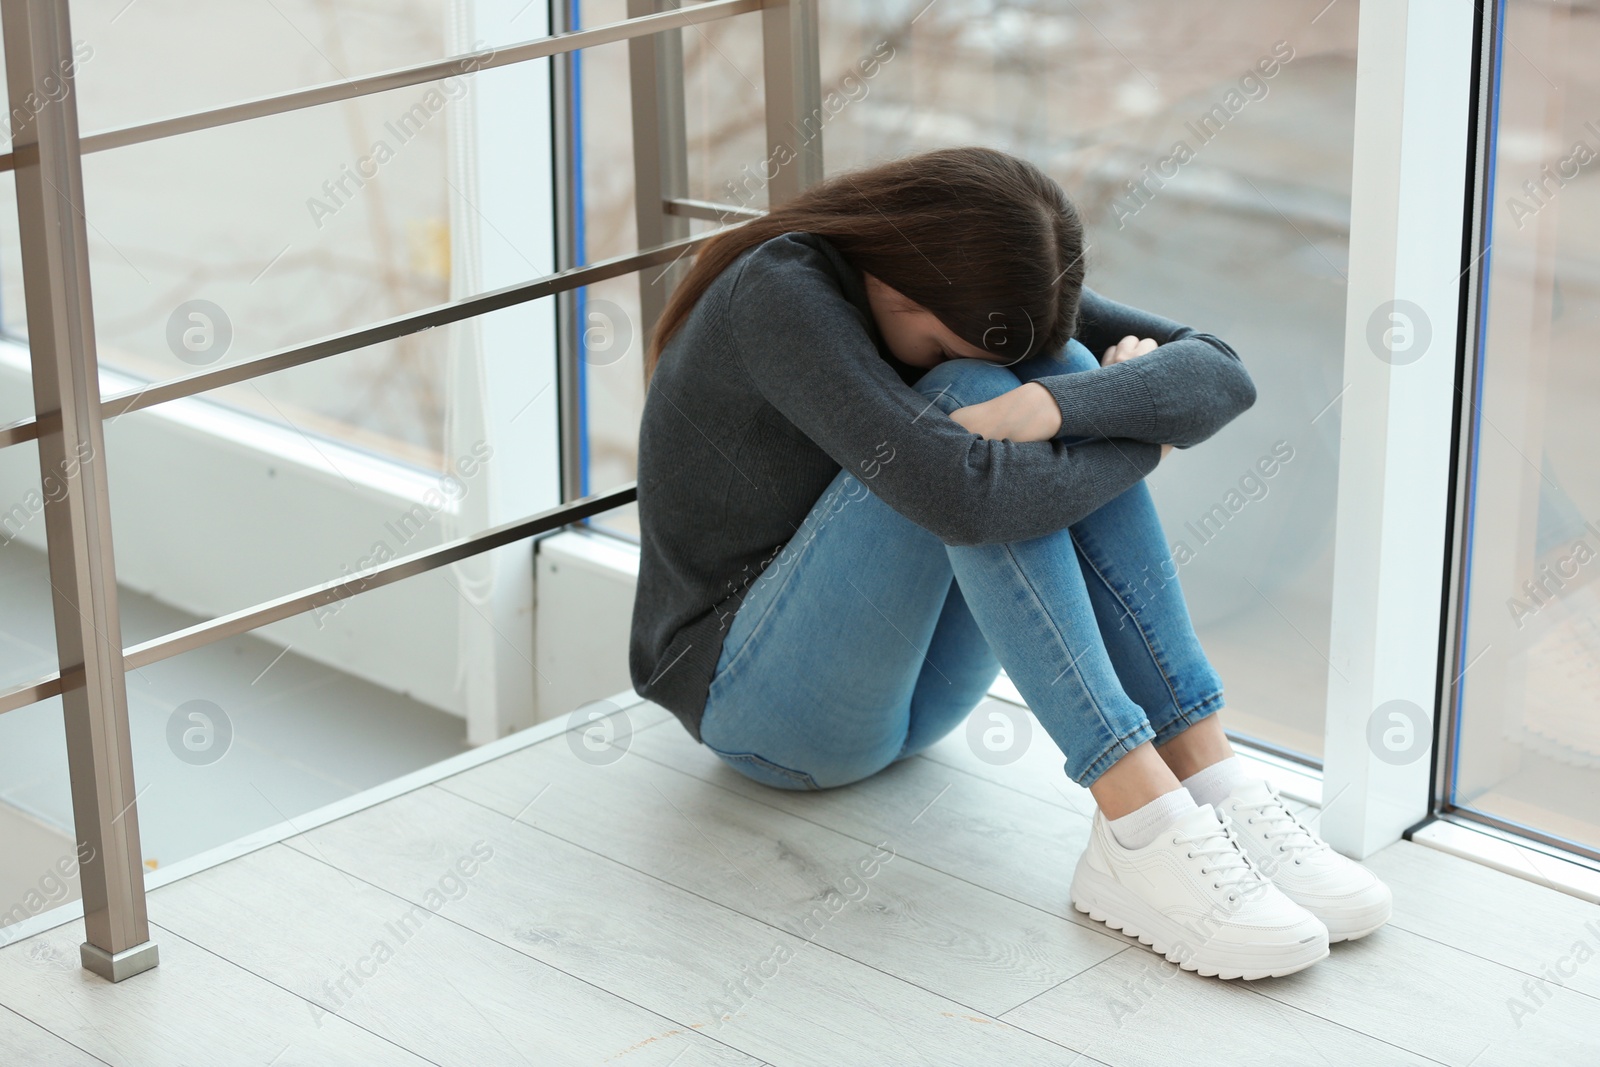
(779, 377)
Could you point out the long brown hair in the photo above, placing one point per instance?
(987, 242)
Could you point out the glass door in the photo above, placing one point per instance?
(1522, 745)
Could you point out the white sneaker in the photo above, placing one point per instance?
(1195, 898)
(1348, 898)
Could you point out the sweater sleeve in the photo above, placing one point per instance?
(806, 348)
(1189, 387)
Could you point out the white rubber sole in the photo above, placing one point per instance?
(1104, 900)
(1354, 927)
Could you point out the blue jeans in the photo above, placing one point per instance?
(867, 639)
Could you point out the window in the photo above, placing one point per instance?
(1525, 748)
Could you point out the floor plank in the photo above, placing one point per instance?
(1480, 910)
(1137, 1010)
(410, 974)
(750, 985)
(190, 1010)
(25, 1042)
(1003, 840)
(947, 935)
(1442, 1003)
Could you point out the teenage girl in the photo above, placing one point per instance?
(892, 443)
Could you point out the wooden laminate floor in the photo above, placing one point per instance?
(568, 905)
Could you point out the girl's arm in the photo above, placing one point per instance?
(1027, 413)
(805, 347)
(1186, 389)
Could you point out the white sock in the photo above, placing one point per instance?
(1140, 827)
(1211, 785)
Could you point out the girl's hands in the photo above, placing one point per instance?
(1127, 349)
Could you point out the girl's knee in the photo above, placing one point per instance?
(1077, 357)
(961, 382)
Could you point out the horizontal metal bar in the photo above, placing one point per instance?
(247, 619)
(332, 92)
(413, 322)
(28, 429)
(41, 688)
(709, 210)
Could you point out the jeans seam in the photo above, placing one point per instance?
(1155, 657)
(772, 603)
(1189, 716)
(1056, 629)
(801, 777)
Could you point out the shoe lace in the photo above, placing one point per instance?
(1292, 836)
(1223, 857)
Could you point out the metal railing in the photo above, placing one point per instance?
(70, 411)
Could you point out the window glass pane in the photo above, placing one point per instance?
(1528, 748)
(1241, 232)
(227, 740)
(218, 246)
(27, 632)
(36, 827)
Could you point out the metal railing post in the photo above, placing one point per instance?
(660, 153)
(66, 391)
(566, 93)
(794, 97)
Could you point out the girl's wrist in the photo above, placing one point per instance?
(1040, 415)
(1022, 414)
